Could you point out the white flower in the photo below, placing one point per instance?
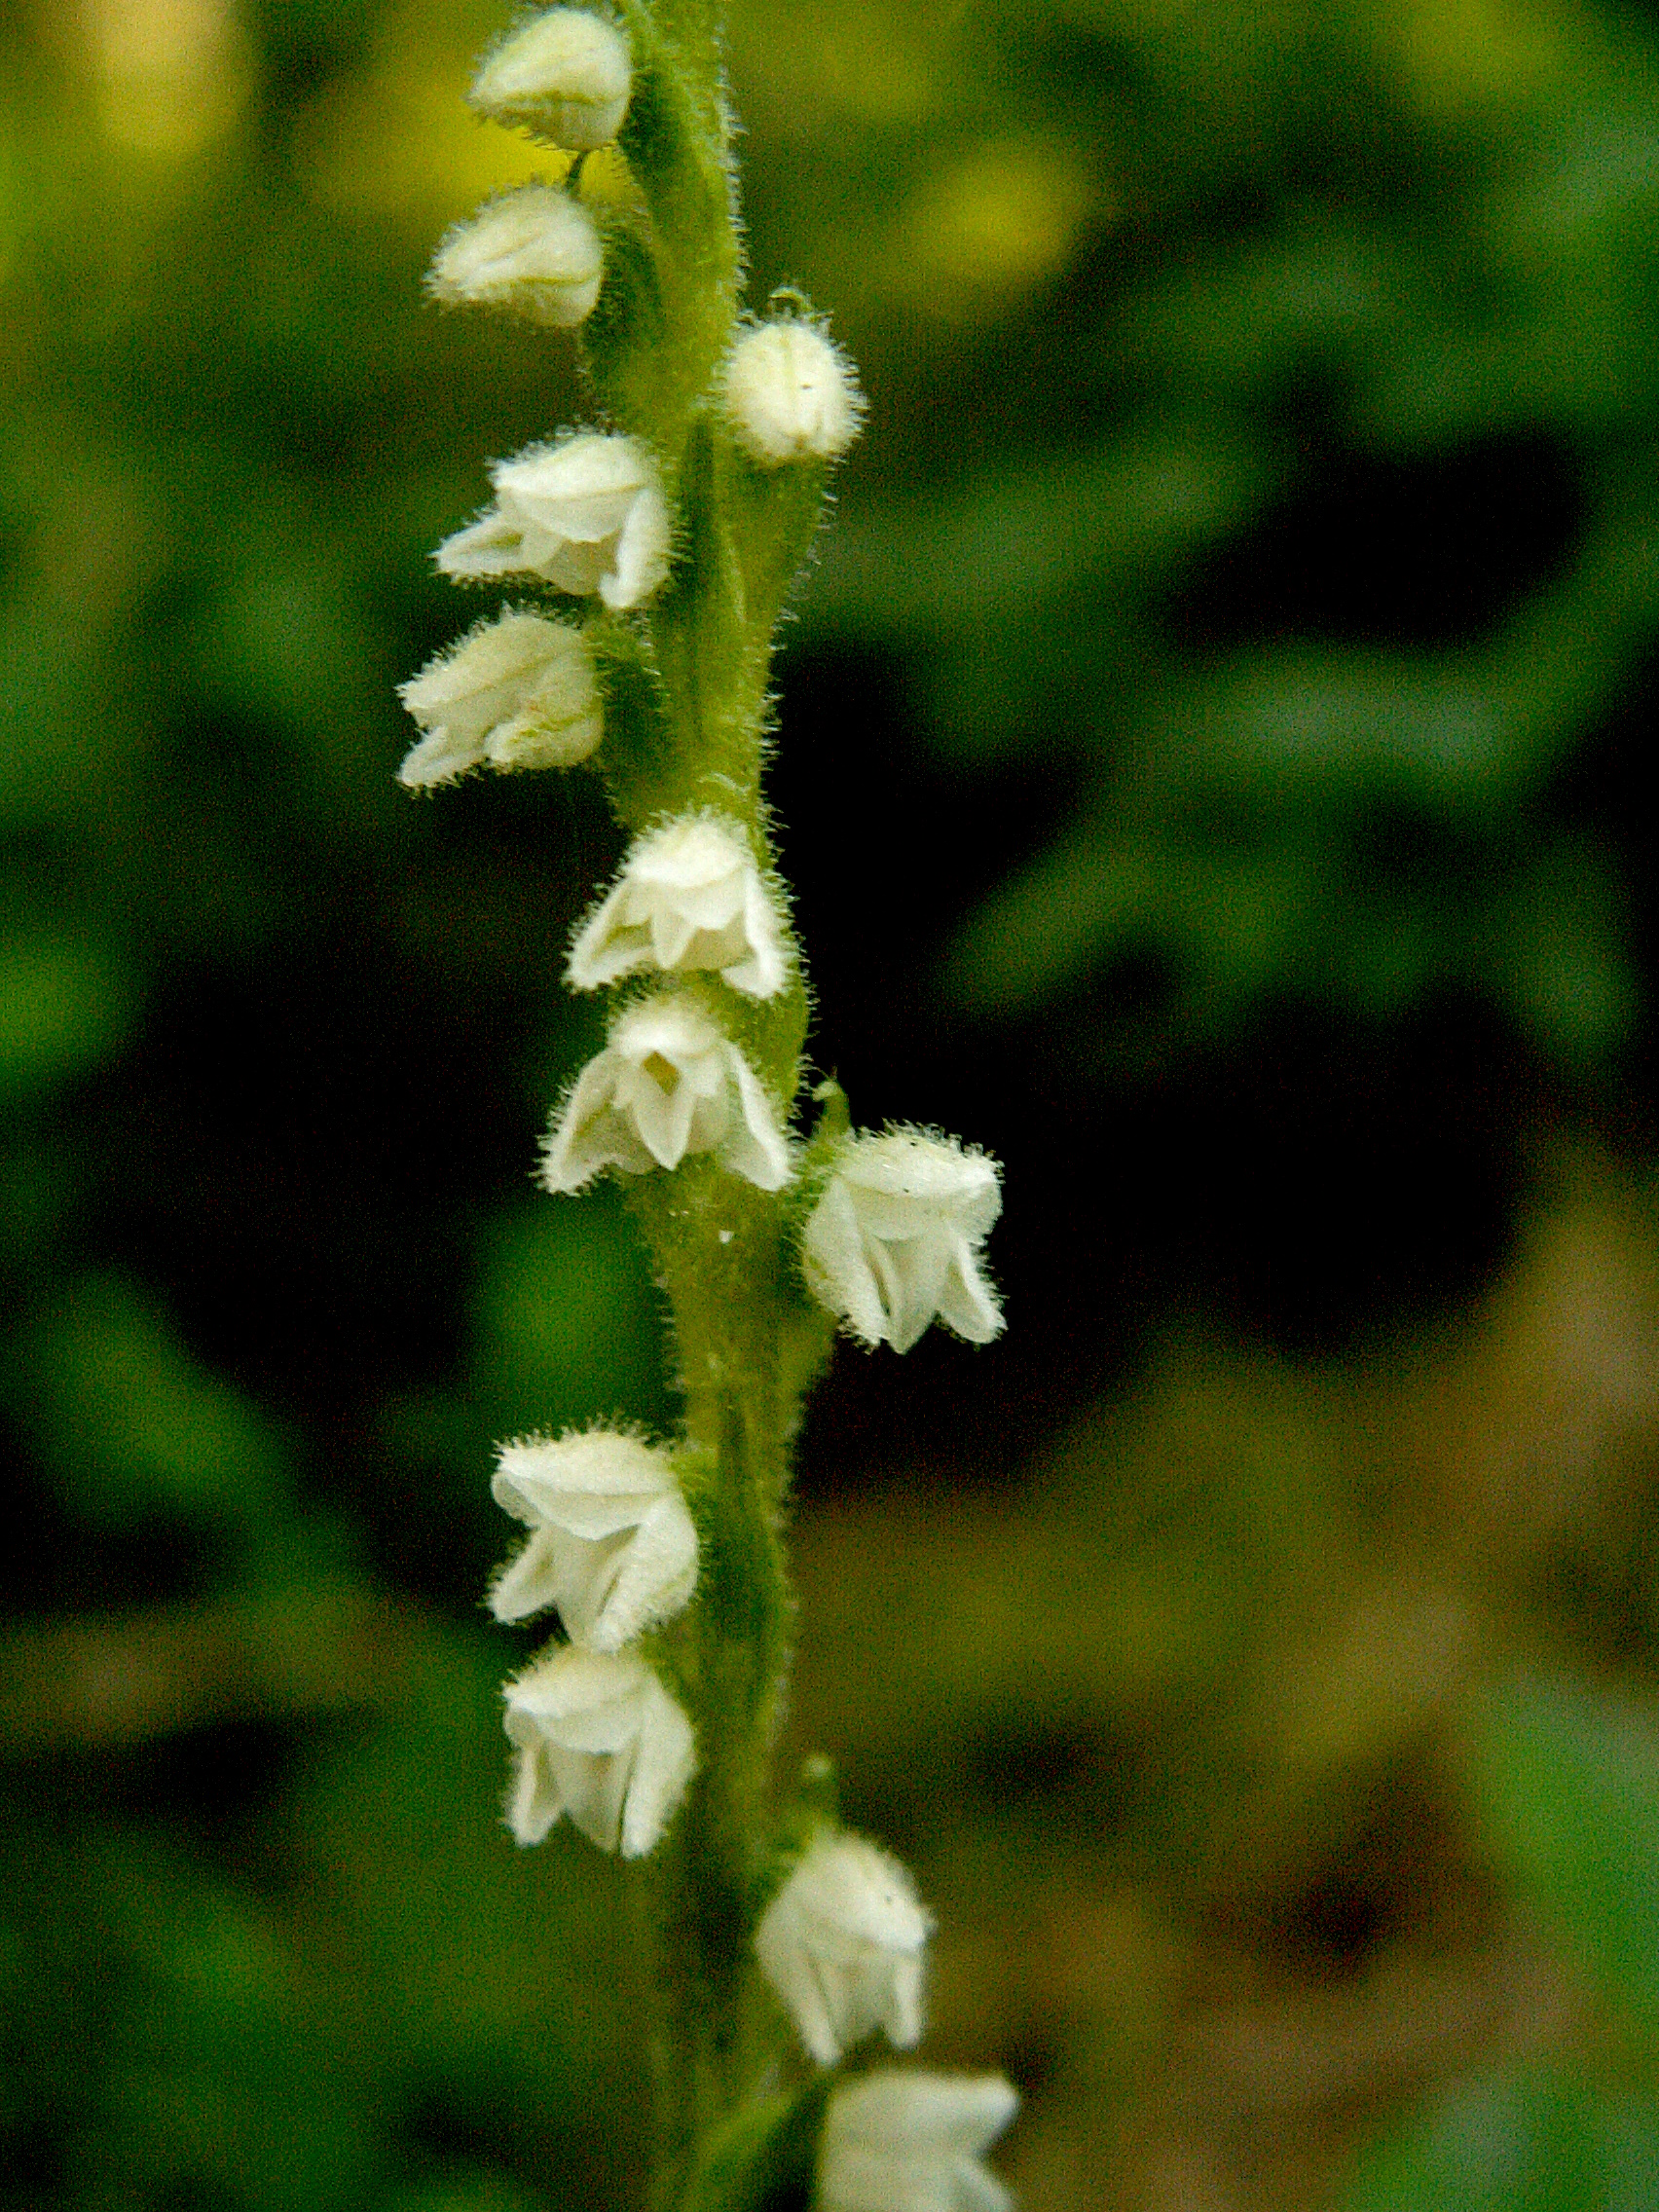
(842, 1942)
(913, 2143)
(894, 1239)
(597, 1737)
(689, 895)
(518, 692)
(534, 251)
(587, 514)
(565, 77)
(667, 1083)
(790, 395)
(612, 1545)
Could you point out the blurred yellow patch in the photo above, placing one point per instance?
(172, 75)
(1461, 53)
(400, 140)
(876, 60)
(995, 223)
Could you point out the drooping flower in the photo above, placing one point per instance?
(790, 395)
(894, 1239)
(534, 251)
(565, 77)
(914, 2143)
(688, 895)
(599, 1738)
(518, 692)
(842, 1944)
(667, 1083)
(611, 1544)
(587, 515)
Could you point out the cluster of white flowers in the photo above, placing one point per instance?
(612, 1547)
(693, 935)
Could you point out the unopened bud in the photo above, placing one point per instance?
(565, 78)
(534, 251)
(790, 395)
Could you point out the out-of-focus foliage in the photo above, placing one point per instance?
(1214, 730)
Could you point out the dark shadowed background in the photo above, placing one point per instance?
(1212, 764)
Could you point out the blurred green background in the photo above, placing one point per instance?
(1212, 769)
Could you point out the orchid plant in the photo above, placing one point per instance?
(650, 560)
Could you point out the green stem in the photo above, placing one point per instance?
(715, 1242)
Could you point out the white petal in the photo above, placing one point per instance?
(642, 553)
(439, 757)
(534, 1578)
(655, 1578)
(967, 1302)
(755, 1147)
(492, 546)
(666, 1762)
(836, 1270)
(607, 948)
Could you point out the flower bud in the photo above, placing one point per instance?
(565, 78)
(790, 395)
(534, 251)
(518, 692)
